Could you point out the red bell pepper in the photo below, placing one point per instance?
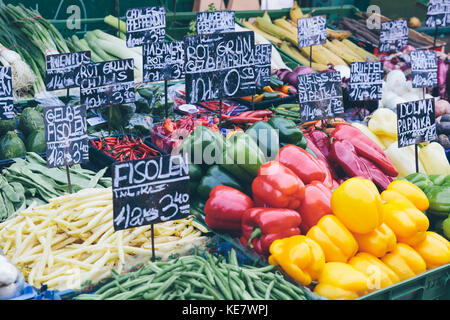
(225, 207)
(365, 147)
(343, 152)
(277, 186)
(302, 163)
(322, 141)
(378, 177)
(262, 226)
(315, 205)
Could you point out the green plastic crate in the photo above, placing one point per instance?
(430, 285)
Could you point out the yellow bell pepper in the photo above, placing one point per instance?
(405, 261)
(364, 129)
(300, 257)
(378, 242)
(386, 140)
(412, 192)
(388, 195)
(408, 223)
(403, 159)
(433, 159)
(357, 203)
(435, 250)
(378, 274)
(341, 281)
(383, 122)
(337, 243)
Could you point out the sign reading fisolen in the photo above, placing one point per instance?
(320, 96)
(6, 94)
(393, 35)
(150, 191)
(263, 57)
(66, 135)
(366, 81)
(312, 31)
(424, 68)
(438, 13)
(62, 71)
(219, 66)
(416, 122)
(107, 83)
(215, 22)
(145, 25)
(163, 61)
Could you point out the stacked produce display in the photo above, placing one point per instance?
(277, 208)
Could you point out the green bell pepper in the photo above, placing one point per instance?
(446, 180)
(419, 179)
(439, 198)
(288, 131)
(446, 227)
(215, 176)
(197, 207)
(266, 138)
(437, 179)
(195, 175)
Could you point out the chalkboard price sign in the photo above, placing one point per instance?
(150, 191)
(66, 135)
(393, 35)
(163, 61)
(219, 66)
(215, 22)
(263, 56)
(312, 31)
(107, 83)
(145, 25)
(366, 81)
(320, 96)
(416, 122)
(6, 94)
(438, 13)
(62, 71)
(424, 68)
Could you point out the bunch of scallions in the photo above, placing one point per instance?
(25, 39)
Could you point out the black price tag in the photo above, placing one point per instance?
(393, 35)
(416, 122)
(312, 31)
(215, 22)
(145, 25)
(438, 13)
(320, 96)
(107, 83)
(6, 94)
(62, 71)
(263, 56)
(150, 191)
(163, 61)
(424, 68)
(219, 66)
(366, 81)
(66, 135)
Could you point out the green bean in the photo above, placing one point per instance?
(269, 289)
(202, 296)
(281, 294)
(137, 292)
(221, 285)
(165, 286)
(250, 285)
(88, 297)
(209, 275)
(217, 295)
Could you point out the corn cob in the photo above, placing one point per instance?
(266, 25)
(358, 50)
(286, 47)
(346, 49)
(323, 56)
(349, 58)
(254, 28)
(283, 23)
(338, 34)
(296, 12)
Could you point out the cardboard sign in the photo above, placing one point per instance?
(438, 13)
(62, 71)
(263, 57)
(219, 66)
(6, 94)
(215, 22)
(312, 31)
(66, 135)
(416, 122)
(366, 81)
(424, 67)
(150, 191)
(107, 83)
(393, 35)
(320, 96)
(163, 61)
(145, 25)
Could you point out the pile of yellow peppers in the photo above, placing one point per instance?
(371, 241)
(382, 129)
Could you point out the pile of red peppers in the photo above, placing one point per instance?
(124, 148)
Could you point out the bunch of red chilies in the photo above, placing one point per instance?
(124, 148)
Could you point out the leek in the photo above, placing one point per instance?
(112, 21)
